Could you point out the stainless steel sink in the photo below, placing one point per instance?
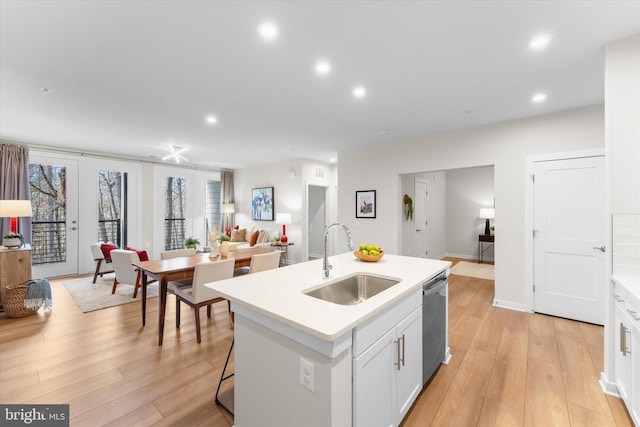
(352, 290)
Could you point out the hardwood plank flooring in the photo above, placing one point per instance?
(508, 368)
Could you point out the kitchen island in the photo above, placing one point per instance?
(296, 356)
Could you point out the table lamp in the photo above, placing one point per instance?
(284, 219)
(487, 213)
(14, 209)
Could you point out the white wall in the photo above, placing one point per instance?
(467, 191)
(505, 145)
(290, 180)
(317, 210)
(622, 150)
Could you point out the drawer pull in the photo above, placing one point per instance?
(633, 314)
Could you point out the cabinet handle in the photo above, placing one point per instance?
(403, 350)
(623, 340)
(618, 298)
(398, 352)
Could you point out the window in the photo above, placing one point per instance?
(111, 204)
(212, 205)
(174, 214)
(49, 204)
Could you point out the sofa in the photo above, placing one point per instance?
(247, 237)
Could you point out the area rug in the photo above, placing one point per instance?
(96, 296)
(473, 269)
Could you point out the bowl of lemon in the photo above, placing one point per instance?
(369, 253)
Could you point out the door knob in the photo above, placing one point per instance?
(601, 248)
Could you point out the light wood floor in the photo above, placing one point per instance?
(508, 368)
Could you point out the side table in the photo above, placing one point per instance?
(482, 238)
(15, 267)
(284, 258)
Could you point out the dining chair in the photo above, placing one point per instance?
(122, 261)
(177, 253)
(260, 262)
(197, 295)
(103, 265)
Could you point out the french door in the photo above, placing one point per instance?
(54, 198)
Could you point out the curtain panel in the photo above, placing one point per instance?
(14, 184)
(227, 196)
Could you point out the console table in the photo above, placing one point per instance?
(15, 267)
(482, 239)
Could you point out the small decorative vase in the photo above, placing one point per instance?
(224, 248)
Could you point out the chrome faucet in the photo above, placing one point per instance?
(325, 260)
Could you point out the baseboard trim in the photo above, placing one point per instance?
(608, 387)
(467, 256)
(509, 305)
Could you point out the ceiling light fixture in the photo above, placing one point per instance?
(175, 154)
(268, 31)
(45, 89)
(539, 98)
(359, 92)
(540, 41)
(323, 67)
(211, 120)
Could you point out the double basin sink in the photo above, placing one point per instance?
(352, 290)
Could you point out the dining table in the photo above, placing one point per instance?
(180, 268)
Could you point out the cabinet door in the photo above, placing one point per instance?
(374, 384)
(409, 376)
(622, 358)
(635, 375)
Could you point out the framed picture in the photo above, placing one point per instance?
(262, 204)
(366, 204)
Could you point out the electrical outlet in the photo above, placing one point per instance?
(307, 374)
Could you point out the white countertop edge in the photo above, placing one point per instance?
(329, 348)
(278, 294)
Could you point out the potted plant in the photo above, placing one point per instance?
(493, 230)
(11, 240)
(191, 243)
(223, 237)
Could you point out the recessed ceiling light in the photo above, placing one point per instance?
(540, 41)
(45, 89)
(323, 67)
(268, 30)
(332, 160)
(539, 98)
(359, 91)
(212, 120)
(383, 131)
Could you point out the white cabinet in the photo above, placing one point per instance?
(387, 371)
(627, 351)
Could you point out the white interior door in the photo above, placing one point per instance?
(569, 234)
(55, 227)
(420, 219)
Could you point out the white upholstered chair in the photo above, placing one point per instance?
(260, 262)
(197, 295)
(122, 261)
(103, 265)
(177, 253)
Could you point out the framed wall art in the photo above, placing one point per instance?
(366, 204)
(262, 204)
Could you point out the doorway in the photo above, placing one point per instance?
(317, 220)
(54, 198)
(568, 260)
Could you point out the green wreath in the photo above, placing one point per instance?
(408, 207)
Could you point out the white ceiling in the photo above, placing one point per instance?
(133, 77)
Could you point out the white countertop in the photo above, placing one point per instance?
(279, 293)
(631, 284)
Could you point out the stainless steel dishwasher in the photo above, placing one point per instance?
(434, 324)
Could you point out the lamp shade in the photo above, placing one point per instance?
(15, 208)
(487, 213)
(283, 218)
(228, 208)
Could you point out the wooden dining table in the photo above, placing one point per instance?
(167, 270)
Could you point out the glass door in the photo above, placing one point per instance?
(54, 199)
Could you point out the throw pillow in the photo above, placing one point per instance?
(239, 235)
(106, 249)
(263, 237)
(254, 238)
(141, 253)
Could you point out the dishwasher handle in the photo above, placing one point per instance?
(433, 286)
